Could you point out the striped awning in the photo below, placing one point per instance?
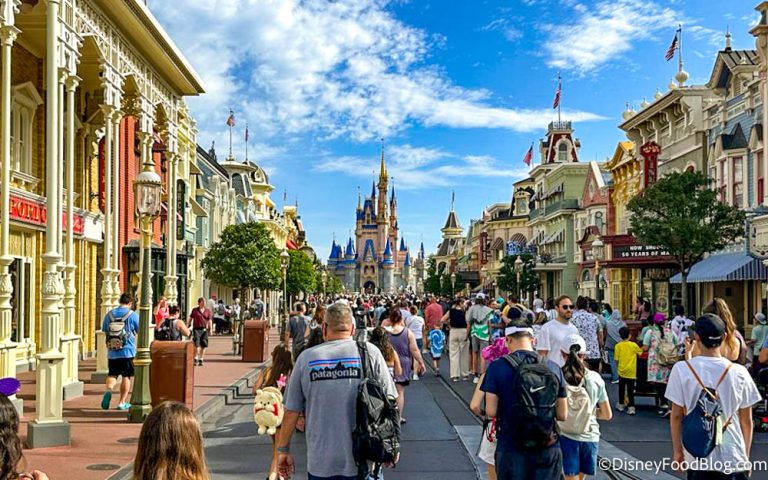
(555, 237)
(555, 190)
(537, 239)
(726, 267)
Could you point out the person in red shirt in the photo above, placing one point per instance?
(433, 315)
(201, 327)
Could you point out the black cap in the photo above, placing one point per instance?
(710, 328)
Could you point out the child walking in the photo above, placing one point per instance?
(436, 346)
(626, 353)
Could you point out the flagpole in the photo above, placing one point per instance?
(246, 143)
(679, 47)
(230, 133)
(560, 100)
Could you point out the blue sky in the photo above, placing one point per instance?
(458, 88)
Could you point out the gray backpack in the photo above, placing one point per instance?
(117, 334)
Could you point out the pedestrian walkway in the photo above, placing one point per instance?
(431, 449)
(102, 441)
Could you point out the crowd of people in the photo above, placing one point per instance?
(541, 378)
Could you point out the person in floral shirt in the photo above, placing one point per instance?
(589, 328)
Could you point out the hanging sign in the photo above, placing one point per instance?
(650, 152)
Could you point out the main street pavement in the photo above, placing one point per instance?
(643, 437)
(431, 447)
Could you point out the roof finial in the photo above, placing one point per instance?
(728, 38)
(383, 167)
(359, 199)
(453, 199)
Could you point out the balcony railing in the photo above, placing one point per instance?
(559, 126)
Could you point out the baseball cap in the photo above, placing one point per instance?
(571, 340)
(710, 328)
(760, 318)
(480, 295)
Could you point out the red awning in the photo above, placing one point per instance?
(290, 245)
(164, 212)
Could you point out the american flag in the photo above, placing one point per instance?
(672, 47)
(528, 156)
(556, 103)
(231, 119)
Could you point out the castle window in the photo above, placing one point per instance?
(562, 152)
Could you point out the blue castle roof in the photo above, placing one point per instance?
(421, 251)
(369, 251)
(388, 250)
(402, 245)
(334, 251)
(408, 259)
(350, 251)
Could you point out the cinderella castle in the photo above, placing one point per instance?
(377, 260)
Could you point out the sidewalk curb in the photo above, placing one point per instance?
(207, 410)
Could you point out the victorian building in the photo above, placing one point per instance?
(87, 94)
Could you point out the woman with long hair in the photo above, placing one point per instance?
(170, 446)
(276, 375)
(404, 343)
(380, 338)
(458, 343)
(11, 456)
(579, 441)
(161, 311)
(734, 348)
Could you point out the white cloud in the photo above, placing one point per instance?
(332, 69)
(604, 32)
(415, 168)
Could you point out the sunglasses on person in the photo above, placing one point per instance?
(567, 307)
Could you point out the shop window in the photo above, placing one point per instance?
(21, 300)
(723, 184)
(760, 175)
(737, 182)
(23, 108)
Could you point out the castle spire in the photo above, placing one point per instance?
(383, 167)
(359, 200)
(373, 189)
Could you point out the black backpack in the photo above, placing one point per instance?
(534, 398)
(165, 332)
(376, 437)
(701, 424)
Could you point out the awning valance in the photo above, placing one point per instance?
(725, 267)
(555, 237)
(537, 239)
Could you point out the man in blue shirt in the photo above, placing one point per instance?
(513, 461)
(121, 349)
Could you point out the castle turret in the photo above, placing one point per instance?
(333, 259)
(383, 182)
(407, 270)
(387, 269)
(350, 265)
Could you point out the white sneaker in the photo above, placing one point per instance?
(631, 411)
(476, 380)
(620, 407)
(415, 376)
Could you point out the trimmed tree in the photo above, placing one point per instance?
(301, 275)
(244, 257)
(681, 213)
(432, 280)
(529, 279)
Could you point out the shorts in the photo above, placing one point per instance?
(200, 337)
(420, 343)
(477, 345)
(120, 367)
(404, 383)
(578, 457)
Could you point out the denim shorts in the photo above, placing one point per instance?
(578, 457)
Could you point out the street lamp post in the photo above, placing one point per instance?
(518, 270)
(597, 253)
(285, 259)
(453, 284)
(146, 187)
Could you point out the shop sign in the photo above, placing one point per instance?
(485, 248)
(650, 152)
(638, 251)
(34, 213)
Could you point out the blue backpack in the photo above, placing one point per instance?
(703, 426)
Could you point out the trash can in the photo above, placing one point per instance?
(172, 373)
(255, 341)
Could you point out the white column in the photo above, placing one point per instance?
(73, 387)
(49, 428)
(7, 354)
(170, 237)
(107, 294)
(115, 248)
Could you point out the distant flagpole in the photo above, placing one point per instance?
(230, 124)
(246, 143)
(679, 47)
(453, 199)
(558, 93)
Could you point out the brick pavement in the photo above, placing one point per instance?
(102, 441)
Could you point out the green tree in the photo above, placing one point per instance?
(333, 285)
(682, 214)
(301, 275)
(529, 279)
(432, 279)
(245, 257)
